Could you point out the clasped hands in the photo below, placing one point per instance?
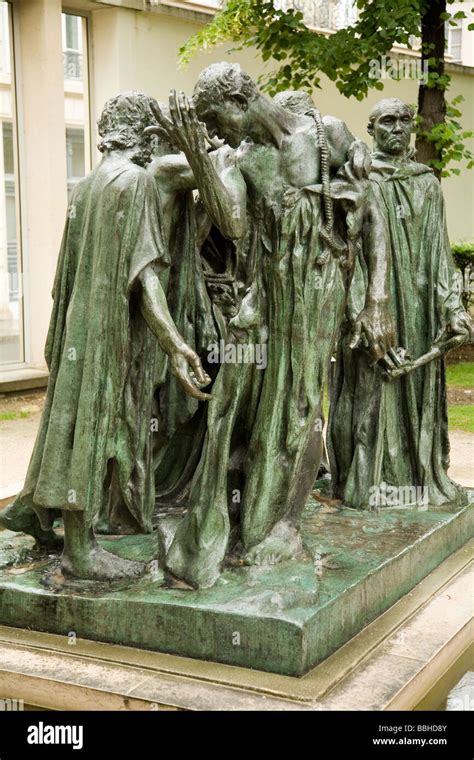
(373, 330)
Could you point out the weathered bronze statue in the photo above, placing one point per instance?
(391, 428)
(109, 328)
(261, 452)
(299, 246)
(179, 432)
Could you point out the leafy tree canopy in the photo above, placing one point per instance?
(346, 56)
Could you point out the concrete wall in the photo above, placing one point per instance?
(43, 162)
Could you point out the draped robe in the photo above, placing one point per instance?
(396, 433)
(94, 440)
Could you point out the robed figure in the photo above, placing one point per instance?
(109, 336)
(261, 452)
(180, 417)
(394, 433)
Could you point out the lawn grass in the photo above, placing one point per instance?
(461, 417)
(13, 415)
(460, 375)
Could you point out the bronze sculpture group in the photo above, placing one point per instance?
(260, 227)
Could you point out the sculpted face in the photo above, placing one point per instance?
(392, 129)
(228, 120)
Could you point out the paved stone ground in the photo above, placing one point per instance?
(17, 437)
(462, 457)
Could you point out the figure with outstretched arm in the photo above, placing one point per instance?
(184, 362)
(220, 183)
(179, 425)
(110, 335)
(261, 451)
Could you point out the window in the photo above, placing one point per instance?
(11, 301)
(72, 46)
(5, 39)
(322, 14)
(76, 98)
(75, 150)
(10, 212)
(454, 40)
(346, 13)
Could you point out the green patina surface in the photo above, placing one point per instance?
(284, 619)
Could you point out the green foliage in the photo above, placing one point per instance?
(282, 36)
(346, 57)
(227, 25)
(463, 251)
(448, 137)
(463, 255)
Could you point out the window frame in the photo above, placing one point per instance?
(20, 204)
(88, 70)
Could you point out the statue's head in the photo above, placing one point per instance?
(223, 96)
(296, 101)
(391, 125)
(122, 124)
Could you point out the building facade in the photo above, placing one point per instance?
(59, 62)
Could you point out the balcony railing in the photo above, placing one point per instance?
(323, 14)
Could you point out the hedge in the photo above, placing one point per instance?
(463, 255)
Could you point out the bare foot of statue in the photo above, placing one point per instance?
(100, 565)
(23, 519)
(283, 543)
(84, 559)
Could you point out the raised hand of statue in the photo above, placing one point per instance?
(186, 366)
(373, 329)
(183, 127)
